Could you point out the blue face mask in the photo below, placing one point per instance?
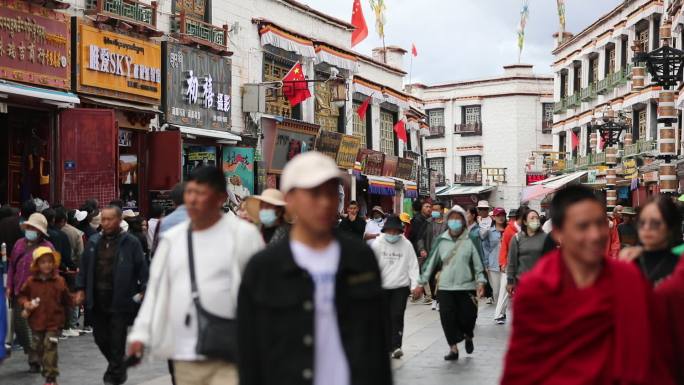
(31, 235)
(455, 225)
(392, 238)
(436, 215)
(268, 217)
(378, 219)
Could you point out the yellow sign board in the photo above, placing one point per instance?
(630, 169)
(113, 62)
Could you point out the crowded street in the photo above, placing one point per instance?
(341, 192)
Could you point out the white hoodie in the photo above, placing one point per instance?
(398, 262)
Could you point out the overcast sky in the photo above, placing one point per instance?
(467, 39)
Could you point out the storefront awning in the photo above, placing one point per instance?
(37, 92)
(277, 37)
(539, 190)
(379, 185)
(209, 133)
(121, 105)
(410, 188)
(465, 190)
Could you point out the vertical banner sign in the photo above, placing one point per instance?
(198, 88)
(238, 168)
(424, 182)
(349, 148)
(35, 45)
(390, 166)
(328, 143)
(404, 168)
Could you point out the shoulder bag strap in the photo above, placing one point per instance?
(191, 260)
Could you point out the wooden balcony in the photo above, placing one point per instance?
(547, 126)
(559, 107)
(471, 129)
(436, 132)
(192, 31)
(470, 179)
(126, 14)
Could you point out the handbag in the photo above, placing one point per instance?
(216, 336)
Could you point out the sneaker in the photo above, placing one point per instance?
(71, 333)
(427, 301)
(470, 347)
(397, 354)
(63, 336)
(434, 305)
(490, 301)
(452, 356)
(87, 329)
(500, 320)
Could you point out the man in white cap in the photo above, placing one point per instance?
(311, 308)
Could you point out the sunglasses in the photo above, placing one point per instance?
(651, 225)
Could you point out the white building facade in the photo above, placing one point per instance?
(483, 131)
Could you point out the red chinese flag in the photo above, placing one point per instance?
(295, 89)
(359, 23)
(361, 111)
(400, 129)
(601, 143)
(414, 51)
(575, 140)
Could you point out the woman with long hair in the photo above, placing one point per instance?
(525, 248)
(659, 224)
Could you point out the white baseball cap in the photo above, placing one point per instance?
(483, 205)
(309, 170)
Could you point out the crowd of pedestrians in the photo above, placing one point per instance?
(287, 291)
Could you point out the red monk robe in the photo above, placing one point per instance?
(670, 297)
(563, 335)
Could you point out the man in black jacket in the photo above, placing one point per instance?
(314, 297)
(112, 279)
(353, 224)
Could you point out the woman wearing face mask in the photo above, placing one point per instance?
(268, 210)
(525, 249)
(35, 234)
(461, 279)
(399, 269)
(374, 225)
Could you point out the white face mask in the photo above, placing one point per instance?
(533, 224)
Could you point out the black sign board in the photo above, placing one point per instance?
(329, 143)
(405, 168)
(197, 92)
(424, 183)
(161, 198)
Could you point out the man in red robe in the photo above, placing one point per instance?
(578, 316)
(670, 299)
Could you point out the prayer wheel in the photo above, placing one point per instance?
(666, 142)
(668, 178)
(627, 140)
(611, 198)
(638, 76)
(667, 113)
(592, 140)
(611, 177)
(611, 156)
(666, 30)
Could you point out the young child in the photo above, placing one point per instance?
(45, 298)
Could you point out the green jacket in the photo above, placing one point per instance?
(462, 267)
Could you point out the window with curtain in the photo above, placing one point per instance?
(436, 117)
(437, 164)
(358, 125)
(472, 165)
(472, 114)
(386, 132)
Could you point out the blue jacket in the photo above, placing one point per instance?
(491, 244)
(130, 273)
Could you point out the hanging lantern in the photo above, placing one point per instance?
(668, 178)
(666, 107)
(611, 199)
(666, 142)
(611, 156)
(611, 178)
(627, 140)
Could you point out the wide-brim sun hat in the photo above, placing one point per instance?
(38, 222)
(483, 204)
(457, 209)
(128, 213)
(270, 196)
(42, 251)
(628, 211)
(377, 209)
(404, 217)
(308, 170)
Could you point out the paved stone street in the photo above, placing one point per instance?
(424, 347)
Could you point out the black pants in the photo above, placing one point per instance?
(458, 313)
(396, 298)
(110, 331)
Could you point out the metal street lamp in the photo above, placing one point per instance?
(610, 128)
(665, 65)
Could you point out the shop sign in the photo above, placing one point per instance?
(390, 166)
(35, 45)
(404, 168)
(162, 198)
(371, 161)
(534, 177)
(238, 168)
(198, 88)
(118, 65)
(424, 182)
(125, 138)
(69, 165)
(328, 143)
(290, 144)
(349, 149)
(630, 169)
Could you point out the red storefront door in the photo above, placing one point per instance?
(164, 162)
(87, 157)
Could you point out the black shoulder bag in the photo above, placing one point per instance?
(216, 336)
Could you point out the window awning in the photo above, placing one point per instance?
(336, 58)
(121, 105)
(539, 190)
(380, 185)
(465, 190)
(12, 88)
(272, 35)
(209, 133)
